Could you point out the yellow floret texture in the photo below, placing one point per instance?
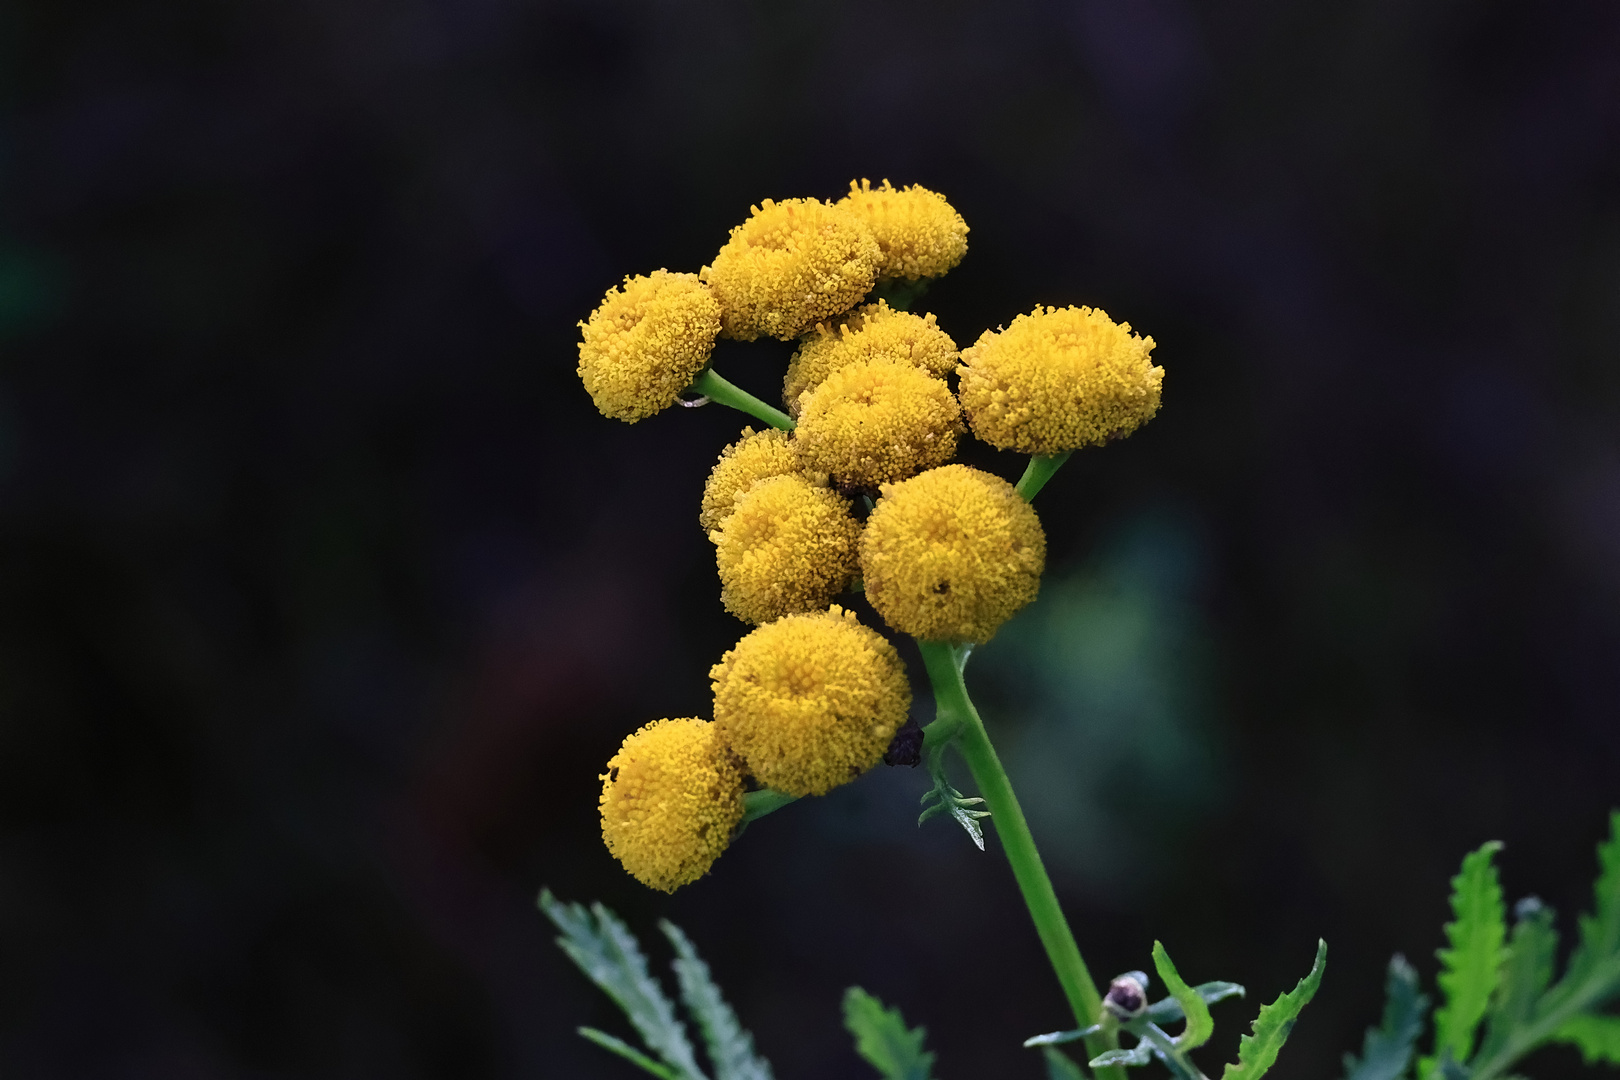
(788, 546)
(1058, 379)
(646, 342)
(920, 234)
(951, 554)
(671, 798)
(810, 702)
(758, 455)
(790, 265)
(875, 422)
(870, 332)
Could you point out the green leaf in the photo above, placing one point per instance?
(1597, 1038)
(945, 799)
(1387, 1049)
(731, 1049)
(1200, 1025)
(1168, 1010)
(628, 1052)
(1140, 1054)
(1060, 1066)
(1600, 931)
(1052, 1038)
(1257, 1052)
(1472, 967)
(1525, 974)
(882, 1038)
(608, 955)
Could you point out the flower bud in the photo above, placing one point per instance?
(873, 332)
(758, 455)
(646, 342)
(787, 547)
(920, 234)
(875, 422)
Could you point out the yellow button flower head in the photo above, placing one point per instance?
(1058, 379)
(874, 422)
(951, 554)
(645, 343)
(787, 547)
(758, 455)
(870, 332)
(671, 798)
(920, 233)
(790, 265)
(810, 701)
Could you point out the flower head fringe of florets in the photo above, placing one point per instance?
(671, 798)
(852, 489)
(810, 701)
(872, 332)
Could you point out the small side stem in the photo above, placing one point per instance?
(756, 804)
(944, 663)
(715, 388)
(1038, 472)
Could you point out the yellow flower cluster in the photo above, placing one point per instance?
(952, 554)
(919, 233)
(788, 546)
(1058, 379)
(790, 265)
(671, 798)
(645, 343)
(872, 332)
(874, 422)
(758, 455)
(811, 701)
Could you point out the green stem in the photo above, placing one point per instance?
(715, 388)
(944, 663)
(1038, 472)
(756, 804)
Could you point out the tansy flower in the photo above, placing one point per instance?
(758, 455)
(918, 231)
(870, 332)
(671, 797)
(646, 342)
(874, 422)
(810, 701)
(951, 554)
(1058, 379)
(787, 547)
(790, 265)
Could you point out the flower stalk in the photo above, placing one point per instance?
(945, 663)
(716, 388)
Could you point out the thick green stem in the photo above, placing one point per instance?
(1038, 472)
(715, 388)
(944, 663)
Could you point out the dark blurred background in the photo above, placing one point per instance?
(325, 592)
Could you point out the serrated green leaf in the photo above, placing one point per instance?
(882, 1038)
(628, 1052)
(1472, 967)
(731, 1049)
(1526, 972)
(1140, 1054)
(1200, 1025)
(1597, 1038)
(1060, 1066)
(1600, 931)
(1387, 1049)
(608, 955)
(1168, 1010)
(945, 799)
(1258, 1051)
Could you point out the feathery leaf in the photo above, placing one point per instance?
(1387, 1049)
(608, 955)
(1200, 1025)
(1526, 972)
(882, 1038)
(1471, 968)
(1597, 1037)
(731, 1049)
(1600, 931)
(1258, 1051)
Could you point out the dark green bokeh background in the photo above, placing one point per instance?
(324, 591)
